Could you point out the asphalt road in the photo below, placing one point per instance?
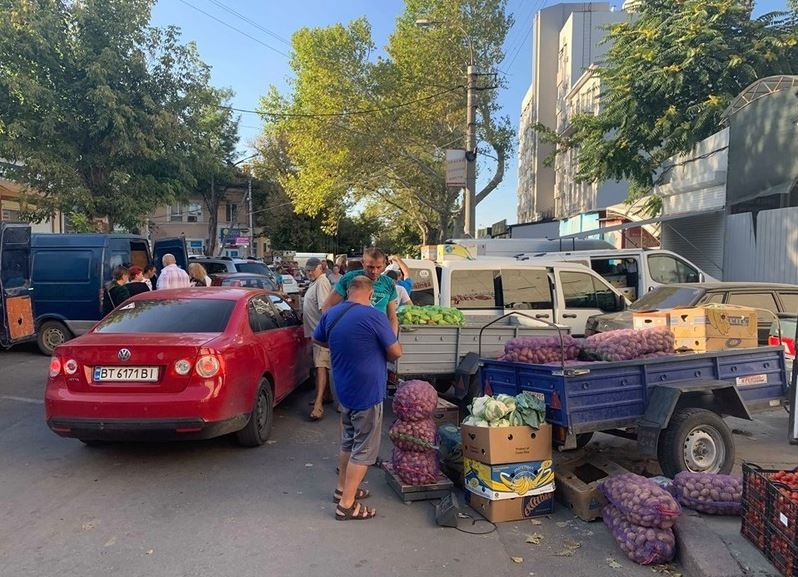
(212, 508)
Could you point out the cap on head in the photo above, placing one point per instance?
(312, 263)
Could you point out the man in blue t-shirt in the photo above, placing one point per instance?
(361, 342)
(404, 280)
(385, 294)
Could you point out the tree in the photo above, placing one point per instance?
(668, 76)
(94, 107)
(359, 129)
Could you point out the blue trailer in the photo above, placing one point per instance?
(673, 406)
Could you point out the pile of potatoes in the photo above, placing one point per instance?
(628, 344)
(644, 545)
(708, 493)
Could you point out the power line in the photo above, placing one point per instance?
(261, 42)
(344, 113)
(540, 5)
(252, 22)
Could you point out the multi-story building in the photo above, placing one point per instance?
(568, 42)
(14, 201)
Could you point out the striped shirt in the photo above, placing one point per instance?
(173, 276)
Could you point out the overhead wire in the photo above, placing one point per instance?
(220, 21)
(263, 29)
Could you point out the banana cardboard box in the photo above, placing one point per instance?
(498, 482)
(714, 327)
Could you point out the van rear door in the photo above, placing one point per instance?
(175, 246)
(16, 307)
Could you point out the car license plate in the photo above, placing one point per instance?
(116, 374)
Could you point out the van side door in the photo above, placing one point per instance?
(580, 295)
(528, 290)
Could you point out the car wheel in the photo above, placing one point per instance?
(696, 440)
(259, 427)
(50, 335)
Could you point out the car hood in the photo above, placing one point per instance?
(611, 321)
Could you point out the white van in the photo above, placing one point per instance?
(632, 271)
(558, 292)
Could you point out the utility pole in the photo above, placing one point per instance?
(470, 200)
(251, 220)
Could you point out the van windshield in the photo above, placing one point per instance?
(667, 297)
(169, 316)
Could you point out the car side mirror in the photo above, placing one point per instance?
(621, 304)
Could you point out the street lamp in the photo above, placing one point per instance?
(469, 201)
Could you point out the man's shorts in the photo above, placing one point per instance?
(362, 431)
(321, 357)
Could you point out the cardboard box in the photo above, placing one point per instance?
(650, 319)
(577, 485)
(446, 412)
(429, 251)
(497, 482)
(511, 509)
(714, 328)
(501, 445)
(616, 280)
(462, 251)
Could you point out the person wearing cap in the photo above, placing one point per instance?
(315, 296)
(137, 283)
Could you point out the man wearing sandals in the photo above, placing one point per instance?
(361, 341)
(315, 296)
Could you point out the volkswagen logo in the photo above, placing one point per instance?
(123, 354)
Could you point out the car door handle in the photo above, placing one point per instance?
(569, 316)
(541, 316)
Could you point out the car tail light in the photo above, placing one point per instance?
(208, 366)
(70, 367)
(55, 366)
(182, 367)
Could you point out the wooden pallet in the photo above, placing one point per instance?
(409, 493)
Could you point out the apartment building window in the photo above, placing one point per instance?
(194, 212)
(176, 213)
(231, 212)
(10, 214)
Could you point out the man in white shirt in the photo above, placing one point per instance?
(403, 297)
(172, 276)
(318, 291)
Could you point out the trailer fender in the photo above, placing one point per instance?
(720, 397)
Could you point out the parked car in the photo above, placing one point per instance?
(783, 332)
(179, 364)
(290, 286)
(69, 272)
(776, 298)
(250, 280)
(223, 264)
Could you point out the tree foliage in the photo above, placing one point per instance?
(96, 108)
(358, 128)
(668, 77)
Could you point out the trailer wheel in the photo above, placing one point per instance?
(696, 440)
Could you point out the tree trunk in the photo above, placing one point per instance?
(212, 204)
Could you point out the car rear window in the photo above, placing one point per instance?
(252, 267)
(667, 297)
(169, 316)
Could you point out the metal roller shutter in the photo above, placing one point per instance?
(698, 239)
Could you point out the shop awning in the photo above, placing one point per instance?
(639, 223)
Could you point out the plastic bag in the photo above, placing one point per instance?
(643, 502)
(414, 401)
(644, 545)
(540, 350)
(416, 467)
(414, 435)
(708, 493)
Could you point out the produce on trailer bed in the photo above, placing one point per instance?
(430, 315)
(644, 545)
(709, 493)
(642, 501)
(628, 344)
(540, 350)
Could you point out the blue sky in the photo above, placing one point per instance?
(250, 63)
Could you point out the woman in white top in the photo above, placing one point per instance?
(199, 277)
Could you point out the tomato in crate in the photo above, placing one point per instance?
(783, 509)
(753, 527)
(781, 553)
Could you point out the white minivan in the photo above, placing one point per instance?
(633, 271)
(558, 292)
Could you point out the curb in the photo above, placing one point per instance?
(701, 551)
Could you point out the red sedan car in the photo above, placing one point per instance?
(182, 363)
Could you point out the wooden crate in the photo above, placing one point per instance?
(410, 493)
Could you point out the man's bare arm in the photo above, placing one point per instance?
(331, 301)
(394, 351)
(402, 265)
(393, 318)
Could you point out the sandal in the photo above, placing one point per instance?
(357, 512)
(316, 414)
(359, 494)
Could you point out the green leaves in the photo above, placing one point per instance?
(667, 79)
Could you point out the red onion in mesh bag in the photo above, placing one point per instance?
(708, 493)
(643, 502)
(644, 545)
(415, 400)
(414, 435)
(416, 467)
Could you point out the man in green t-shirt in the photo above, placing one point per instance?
(385, 294)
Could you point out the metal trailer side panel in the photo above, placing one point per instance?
(613, 395)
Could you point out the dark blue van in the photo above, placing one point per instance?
(69, 272)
